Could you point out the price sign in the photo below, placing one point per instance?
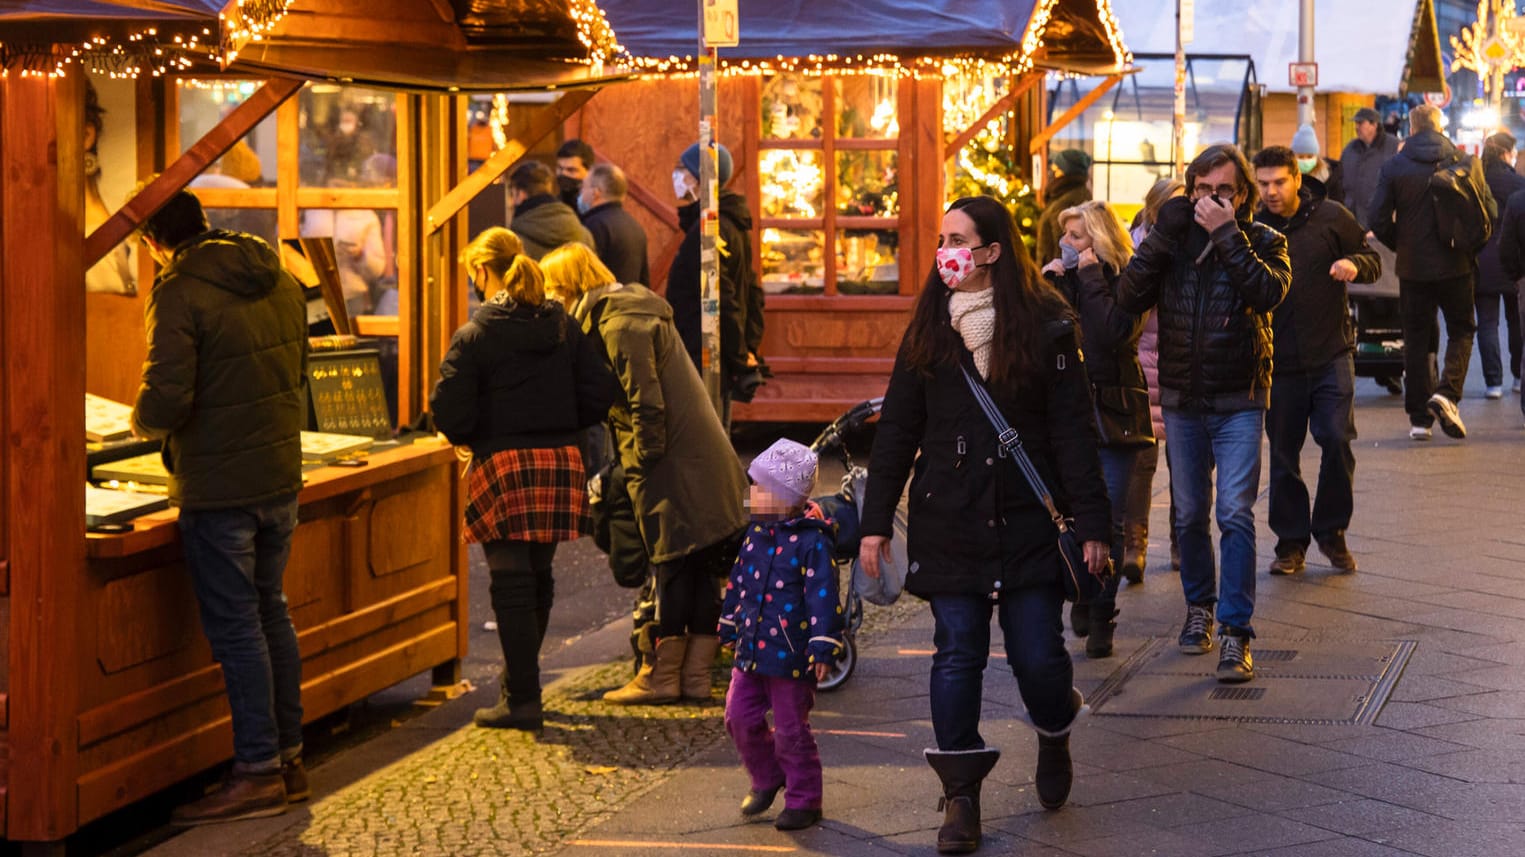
(1302, 74)
(720, 24)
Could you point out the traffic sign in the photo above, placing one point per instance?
(1302, 74)
(1439, 99)
(720, 24)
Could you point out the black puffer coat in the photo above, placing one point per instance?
(1109, 337)
(1214, 318)
(975, 526)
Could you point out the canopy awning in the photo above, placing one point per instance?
(1359, 46)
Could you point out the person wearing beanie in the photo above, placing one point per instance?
(1310, 165)
(741, 295)
(783, 618)
(1361, 162)
(1069, 186)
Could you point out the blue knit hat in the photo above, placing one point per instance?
(690, 161)
(1305, 141)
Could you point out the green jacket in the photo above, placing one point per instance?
(1066, 192)
(684, 478)
(225, 380)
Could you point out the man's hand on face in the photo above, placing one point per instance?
(1211, 214)
(1174, 217)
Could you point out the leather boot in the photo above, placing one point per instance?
(1055, 771)
(697, 661)
(1099, 641)
(1080, 618)
(1135, 547)
(241, 795)
(961, 772)
(659, 681)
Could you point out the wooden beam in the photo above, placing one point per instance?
(649, 200)
(544, 123)
(1005, 103)
(1040, 140)
(198, 157)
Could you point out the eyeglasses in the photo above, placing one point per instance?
(1223, 190)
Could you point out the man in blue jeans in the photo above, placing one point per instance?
(224, 387)
(1213, 276)
(1313, 388)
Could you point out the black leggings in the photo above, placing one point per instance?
(688, 595)
(522, 591)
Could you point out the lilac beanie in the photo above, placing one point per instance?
(786, 469)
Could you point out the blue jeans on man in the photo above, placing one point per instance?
(236, 558)
(1034, 633)
(1321, 402)
(1229, 442)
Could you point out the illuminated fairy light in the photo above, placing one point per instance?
(1490, 47)
(792, 179)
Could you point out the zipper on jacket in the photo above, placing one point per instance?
(961, 449)
(1196, 331)
(784, 626)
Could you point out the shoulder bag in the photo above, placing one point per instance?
(1080, 585)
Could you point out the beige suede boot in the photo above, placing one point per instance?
(658, 682)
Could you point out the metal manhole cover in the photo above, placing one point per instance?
(1312, 681)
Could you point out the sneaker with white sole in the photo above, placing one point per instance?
(1444, 410)
(1516, 387)
(1494, 392)
(1419, 433)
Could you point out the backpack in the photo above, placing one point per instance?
(1464, 209)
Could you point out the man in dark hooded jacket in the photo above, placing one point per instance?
(1313, 381)
(741, 296)
(1431, 274)
(224, 386)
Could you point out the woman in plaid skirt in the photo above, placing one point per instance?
(519, 382)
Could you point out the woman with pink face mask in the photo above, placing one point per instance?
(979, 540)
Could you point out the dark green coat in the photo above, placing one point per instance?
(225, 380)
(684, 478)
(1066, 192)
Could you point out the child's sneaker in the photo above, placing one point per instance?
(797, 819)
(758, 801)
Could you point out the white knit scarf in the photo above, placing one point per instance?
(974, 318)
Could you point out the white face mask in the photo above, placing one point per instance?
(684, 185)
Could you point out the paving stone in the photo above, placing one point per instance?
(1359, 816)
(1450, 838)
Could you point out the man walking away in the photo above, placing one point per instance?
(1213, 276)
(1313, 386)
(224, 387)
(618, 238)
(1434, 272)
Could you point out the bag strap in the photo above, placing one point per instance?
(1007, 437)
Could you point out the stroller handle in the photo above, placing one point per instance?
(847, 423)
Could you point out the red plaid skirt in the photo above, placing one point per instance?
(530, 495)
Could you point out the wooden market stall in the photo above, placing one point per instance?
(851, 125)
(107, 688)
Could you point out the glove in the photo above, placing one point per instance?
(1175, 217)
(744, 386)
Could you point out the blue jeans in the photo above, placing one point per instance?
(236, 558)
(1488, 336)
(1034, 634)
(1199, 443)
(1119, 466)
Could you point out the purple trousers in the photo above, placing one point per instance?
(785, 753)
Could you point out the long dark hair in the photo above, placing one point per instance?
(1024, 302)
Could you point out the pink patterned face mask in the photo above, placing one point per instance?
(954, 265)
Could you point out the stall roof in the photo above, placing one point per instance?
(1080, 35)
(1269, 33)
(422, 44)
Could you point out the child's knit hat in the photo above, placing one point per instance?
(786, 469)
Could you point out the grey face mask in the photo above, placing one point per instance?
(1069, 256)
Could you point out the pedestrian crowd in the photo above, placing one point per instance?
(1219, 319)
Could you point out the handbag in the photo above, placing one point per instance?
(1080, 585)
(885, 589)
(615, 530)
(1122, 416)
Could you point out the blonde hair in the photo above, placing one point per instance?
(573, 270)
(1425, 117)
(1108, 238)
(502, 253)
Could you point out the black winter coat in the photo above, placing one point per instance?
(521, 377)
(1109, 337)
(1312, 326)
(1511, 237)
(1503, 182)
(620, 242)
(1403, 213)
(1214, 318)
(741, 295)
(975, 526)
(1360, 165)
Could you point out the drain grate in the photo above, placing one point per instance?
(1305, 681)
(1237, 693)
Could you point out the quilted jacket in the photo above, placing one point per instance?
(782, 609)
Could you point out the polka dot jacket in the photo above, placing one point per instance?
(782, 609)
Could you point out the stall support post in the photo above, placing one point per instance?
(709, 228)
(42, 342)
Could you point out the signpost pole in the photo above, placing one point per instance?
(1184, 14)
(1305, 112)
(709, 219)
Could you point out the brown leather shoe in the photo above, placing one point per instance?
(1335, 550)
(240, 796)
(294, 776)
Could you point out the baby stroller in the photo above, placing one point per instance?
(842, 507)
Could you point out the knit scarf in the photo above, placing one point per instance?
(974, 318)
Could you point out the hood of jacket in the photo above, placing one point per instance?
(545, 220)
(521, 327)
(733, 206)
(633, 299)
(1428, 147)
(232, 261)
(1308, 201)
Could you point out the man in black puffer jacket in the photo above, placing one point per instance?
(1314, 380)
(1431, 274)
(1213, 285)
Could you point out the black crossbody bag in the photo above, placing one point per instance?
(1080, 585)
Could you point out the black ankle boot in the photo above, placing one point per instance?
(1055, 771)
(1099, 641)
(961, 773)
(1080, 619)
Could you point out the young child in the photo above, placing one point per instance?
(784, 617)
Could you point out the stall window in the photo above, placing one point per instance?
(349, 137)
(828, 168)
(251, 163)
